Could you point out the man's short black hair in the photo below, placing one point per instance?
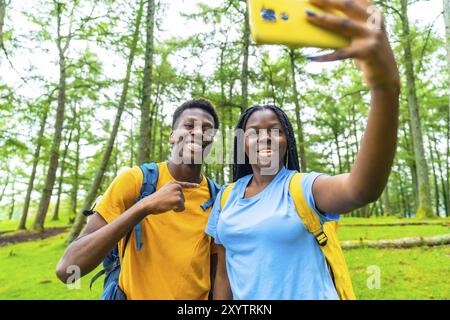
(200, 104)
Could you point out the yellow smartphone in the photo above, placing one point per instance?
(284, 22)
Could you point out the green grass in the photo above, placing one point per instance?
(27, 271)
(379, 233)
(11, 225)
(420, 273)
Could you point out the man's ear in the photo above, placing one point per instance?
(171, 138)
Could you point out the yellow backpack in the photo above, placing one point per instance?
(326, 237)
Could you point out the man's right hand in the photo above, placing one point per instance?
(169, 197)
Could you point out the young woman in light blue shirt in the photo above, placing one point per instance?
(264, 249)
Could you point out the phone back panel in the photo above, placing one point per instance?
(284, 22)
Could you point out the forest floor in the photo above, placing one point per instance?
(27, 268)
(12, 237)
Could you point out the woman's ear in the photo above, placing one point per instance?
(171, 138)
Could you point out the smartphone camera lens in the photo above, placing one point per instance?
(284, 16)
(268, 15)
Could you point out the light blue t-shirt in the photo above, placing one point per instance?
(270, 255)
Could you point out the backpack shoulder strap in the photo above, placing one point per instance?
(226, 194)
(326, 237)
(308, 216)
(149, 181)
(214, 189)
(112, 260)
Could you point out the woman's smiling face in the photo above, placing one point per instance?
(265, 139)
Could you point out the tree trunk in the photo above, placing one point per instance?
(131, 143)
(59, 121)
(361, 212)
(436, 186)
(4, 187)
(448, 157)
(145, 126)
(37, 152)
(2, 20)
(424, 208)
(441, 172)
(338, 150)
(161, 136)
(355, 130)
(446, 5)
(116, 161)
(348, 167)
(300, 135)
(154, 120)
(61, 176)
(79, 222)
(373, 208)
(245, 53)
(410, 162)
(387, 205)
(231, 122)
(222, 111)
(76, 181)
(224, 141)
(13, 201)
(398, 201)
(405, 206)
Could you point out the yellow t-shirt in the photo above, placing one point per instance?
(174, 262)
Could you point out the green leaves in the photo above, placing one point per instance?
(332, 100)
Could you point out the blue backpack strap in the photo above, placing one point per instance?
(214, 189)
(111, 262)
(149, 181)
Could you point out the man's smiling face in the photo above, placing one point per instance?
(192, 136)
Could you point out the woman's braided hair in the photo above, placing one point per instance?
(241, 170)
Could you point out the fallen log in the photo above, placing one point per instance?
(402, 243)
(395, 224)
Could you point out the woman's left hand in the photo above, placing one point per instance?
(369, 46)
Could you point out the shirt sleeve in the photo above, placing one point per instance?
(120, 195)
(307, 183)
(211, 226)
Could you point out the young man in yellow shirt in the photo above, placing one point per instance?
(174, 262)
